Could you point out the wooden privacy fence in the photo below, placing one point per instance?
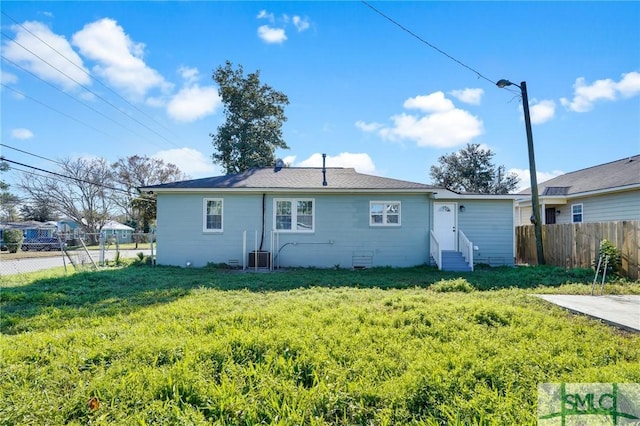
(576, 245)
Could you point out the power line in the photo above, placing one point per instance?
(126, 184)
(89, 90)
(30, 153)
(393, 21)
(74, 98)
(55, 110)
(60, 179)
(89, 74)
(65, 177)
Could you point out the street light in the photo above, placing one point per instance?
(537, 223)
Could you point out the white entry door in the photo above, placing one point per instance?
(444, 225)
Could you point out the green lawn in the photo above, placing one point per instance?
(143, 345)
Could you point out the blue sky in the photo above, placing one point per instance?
(115, 79)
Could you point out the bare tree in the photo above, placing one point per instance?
(137, 171)
(82, 190)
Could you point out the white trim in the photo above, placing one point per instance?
(205, 201)
(384, 223)
(581, 212)
(310, 190)
(294, 215)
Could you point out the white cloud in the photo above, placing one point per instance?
(59, 68)
(468, 96)
(359, 161)
(21, 133)
(7, 77)
(442, 129)
(271, 35)
(263, 14)
(525, 177)
(189, 161)
(442, 126)
(276, 33)
(193, 103)
(435, 102)
(289, 159)
(120, 60)
(188, 74)
(585, 95)
(368, 127)
(301, 24)
(630, 84)
(542, 111)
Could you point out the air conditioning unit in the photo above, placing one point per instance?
(260, 259)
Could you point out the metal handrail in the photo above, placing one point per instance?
(436, 253)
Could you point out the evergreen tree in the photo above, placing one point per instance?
(254, 116)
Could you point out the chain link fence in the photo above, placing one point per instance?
(75, 252)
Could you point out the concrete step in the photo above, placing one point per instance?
(454, 261)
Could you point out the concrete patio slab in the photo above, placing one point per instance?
(620, 311)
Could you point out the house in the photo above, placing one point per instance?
(602, 193)
(70, 229)
(328, 217)
(116, 231)
(31, 229)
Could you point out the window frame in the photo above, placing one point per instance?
(294, 215)
(574, 214)
(385, 223)
(205, 203)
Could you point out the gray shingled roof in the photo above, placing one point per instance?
(290, 178)
(620, 173)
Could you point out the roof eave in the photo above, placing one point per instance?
(289, 190)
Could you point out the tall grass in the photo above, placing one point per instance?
(144, 345)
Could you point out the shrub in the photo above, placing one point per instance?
(13, 239)
(607, 249)
(141, 259)
(447, 286)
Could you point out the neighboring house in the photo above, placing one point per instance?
(603, 193)
(69, 229)
(327, 217)
(116, 230)
(31, 229)
(111, 228)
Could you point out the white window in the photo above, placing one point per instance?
(384, 213)
(576, 213)
(295, 215)
(212, 217)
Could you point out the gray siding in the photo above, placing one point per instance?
(341, 232)
(606, 208)
(490, 226)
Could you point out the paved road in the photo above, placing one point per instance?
(21, 266)
(621, 311)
